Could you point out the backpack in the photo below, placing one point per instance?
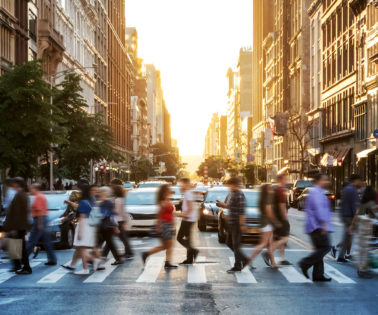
(95, 216)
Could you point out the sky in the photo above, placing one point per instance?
(192, 43)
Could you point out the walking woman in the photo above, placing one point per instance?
(108, 225)
(164, 227)
(16, 224)
(85, 235)
(266, 227)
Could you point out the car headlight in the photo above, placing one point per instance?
(55, 222)
(205, 211)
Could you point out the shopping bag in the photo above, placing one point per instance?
(15, 248)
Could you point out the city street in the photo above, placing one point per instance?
(202, 288)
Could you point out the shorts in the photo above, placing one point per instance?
(284, 230)
(266, 228)
(168, 230)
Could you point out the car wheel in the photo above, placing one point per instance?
(221, 234)
(202, 224)
(69, 238)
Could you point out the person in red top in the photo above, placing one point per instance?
(39, 229)
(164, 227)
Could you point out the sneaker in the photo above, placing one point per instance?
(69, 267)
(144, 257)
(82, 272)
(36, 251)
(168, 265)
(348, 257)
(129, 257)
(51, 263)
(101, 267)
(96, 263)
(234, 269)
(24, 271)
(285, 263)
(186, 262)
(342, 260)
(266, 258)
(117, 262)
(333, 251)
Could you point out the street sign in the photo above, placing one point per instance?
(375, 133)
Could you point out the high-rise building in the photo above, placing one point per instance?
(223, 136)
(212, 137)
(244, 69)
(233, 115)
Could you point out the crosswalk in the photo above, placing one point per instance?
(197, 273)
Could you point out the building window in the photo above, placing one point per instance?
(360, 121)
(32, 25)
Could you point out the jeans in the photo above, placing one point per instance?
(36, 235)
(347, 238)
(233, 242)
(25, 257)
(123, 236)
(184, 238)
(322, 247)
(106, 235)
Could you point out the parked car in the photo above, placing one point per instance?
(208, 211)
(302, 198)
(297, 189)
(177, 197)
(128, 185)
(142, 209)
(252, 216)
(150, 184)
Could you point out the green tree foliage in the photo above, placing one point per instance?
(26, 118)
(141, 170)
(170, 156)
(215, 165)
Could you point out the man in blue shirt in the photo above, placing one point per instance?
(349, 204)
(318, 225)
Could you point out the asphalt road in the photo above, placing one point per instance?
(205, 288)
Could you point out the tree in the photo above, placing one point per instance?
(215, 166)
(168, 155)
(141, 170)
(26, 119)
(88, 138)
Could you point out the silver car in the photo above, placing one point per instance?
(141, 209)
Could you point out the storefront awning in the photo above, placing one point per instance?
(283, 170)
(335, 158)
(313, 151)
(365, 153)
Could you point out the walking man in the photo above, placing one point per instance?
(189, 216)
(39, 231)
(318, 226)
(236, 221)
(349, 204)
(282, 229)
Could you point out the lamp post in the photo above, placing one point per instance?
(55, 76)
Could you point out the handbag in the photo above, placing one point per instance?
(109, 223)
(15, 248)
(95, 216)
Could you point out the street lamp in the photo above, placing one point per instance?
(55, 75)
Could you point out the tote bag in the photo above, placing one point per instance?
(14, 248)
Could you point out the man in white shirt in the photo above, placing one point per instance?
(189, 217)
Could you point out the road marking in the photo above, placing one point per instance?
(293, 276)
(245, 276)
(6, 275)
(151, 269)
(197, 272)
(101, 275)
(5, 261)
(9, 300)
(56, 275)
(336, 275)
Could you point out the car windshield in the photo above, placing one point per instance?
(304, 183)
(139, 198)
(176, 190)
(252, 198)
(128, 185)
(54, 201)
(149, 185)
(214, 195)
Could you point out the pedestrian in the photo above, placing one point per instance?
(10, 192)
(164, 227)
(267, 221)
(282, 229)
(108, 225)
(189, 217)
(85, 235)
(236, 221)
(39, 212)
(17, 224)
(121, 218)
(318, 226)
(349, 204)
(368, 206)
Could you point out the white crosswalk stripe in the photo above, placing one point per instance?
(336, 275)
(197, 272)
(245, 276)
(6, 275)
(151, 269)
(101, 275)
(56, 275)
(292, 275)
